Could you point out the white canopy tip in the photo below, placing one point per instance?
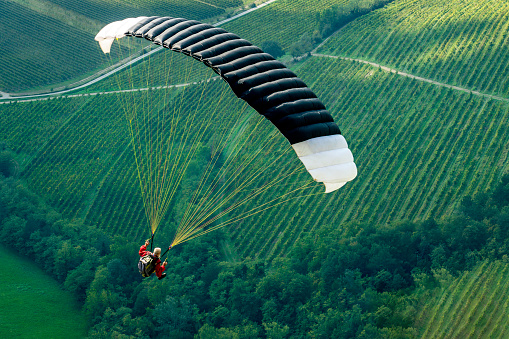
(115, 30)
(333, 186)
(106, 45)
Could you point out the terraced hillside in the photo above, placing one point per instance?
(474, 305)
(298, 17)
(51, 43)
(107, 11)
(417, 147)
(463, 43)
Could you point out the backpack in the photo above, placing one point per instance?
(147, 265)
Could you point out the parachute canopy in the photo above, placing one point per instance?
(263, 82)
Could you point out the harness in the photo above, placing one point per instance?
(147, 265)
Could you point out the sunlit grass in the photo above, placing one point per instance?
(32, 304)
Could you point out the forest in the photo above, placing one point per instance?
(359, 280)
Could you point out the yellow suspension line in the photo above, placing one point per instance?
(204, 217)
(252, 212)
(223, 170)
(207, 212)
(194, 144)
(237, 174)
(208, 170)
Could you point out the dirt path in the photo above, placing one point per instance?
(387, 69)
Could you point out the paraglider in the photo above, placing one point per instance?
(264, 83)
(150, 263)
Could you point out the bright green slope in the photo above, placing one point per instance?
(419, 149)
(475, 305)
(50, 44)
(463, 43)
(32, 305)
(296, 16)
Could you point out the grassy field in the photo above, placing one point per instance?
(475, 305)
(32, 303)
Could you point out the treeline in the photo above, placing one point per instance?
(335, 17)
(357, 280)
(332, 19)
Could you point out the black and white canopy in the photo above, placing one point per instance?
(263, 82)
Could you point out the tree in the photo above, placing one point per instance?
(8, 165)
(275, 331)
(273, 48)
(302, 46)
(175, 314)
(209, 332)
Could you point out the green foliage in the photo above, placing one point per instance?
(273, 48)
(8, 164)
(358, 281)
(333, 18)
(302, 46)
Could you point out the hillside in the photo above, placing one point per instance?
(50, 43)
(461, 43)
(418, 147)
(416, 245)
(473, 305)
(417, 162)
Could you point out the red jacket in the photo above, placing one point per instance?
(159, 269)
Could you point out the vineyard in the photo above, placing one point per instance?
(107, 11)
(456, 42)
(418, 148)
(298, 17)
(472, 306)
(167, 134)
(41, 48)
(59, 36)
(33, 56)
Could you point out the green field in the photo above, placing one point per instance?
(475, 305)
(417, 145)
(462, 43)
(50, 44)
(33, 305)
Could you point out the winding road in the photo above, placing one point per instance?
(101, 75)
(317, 55)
